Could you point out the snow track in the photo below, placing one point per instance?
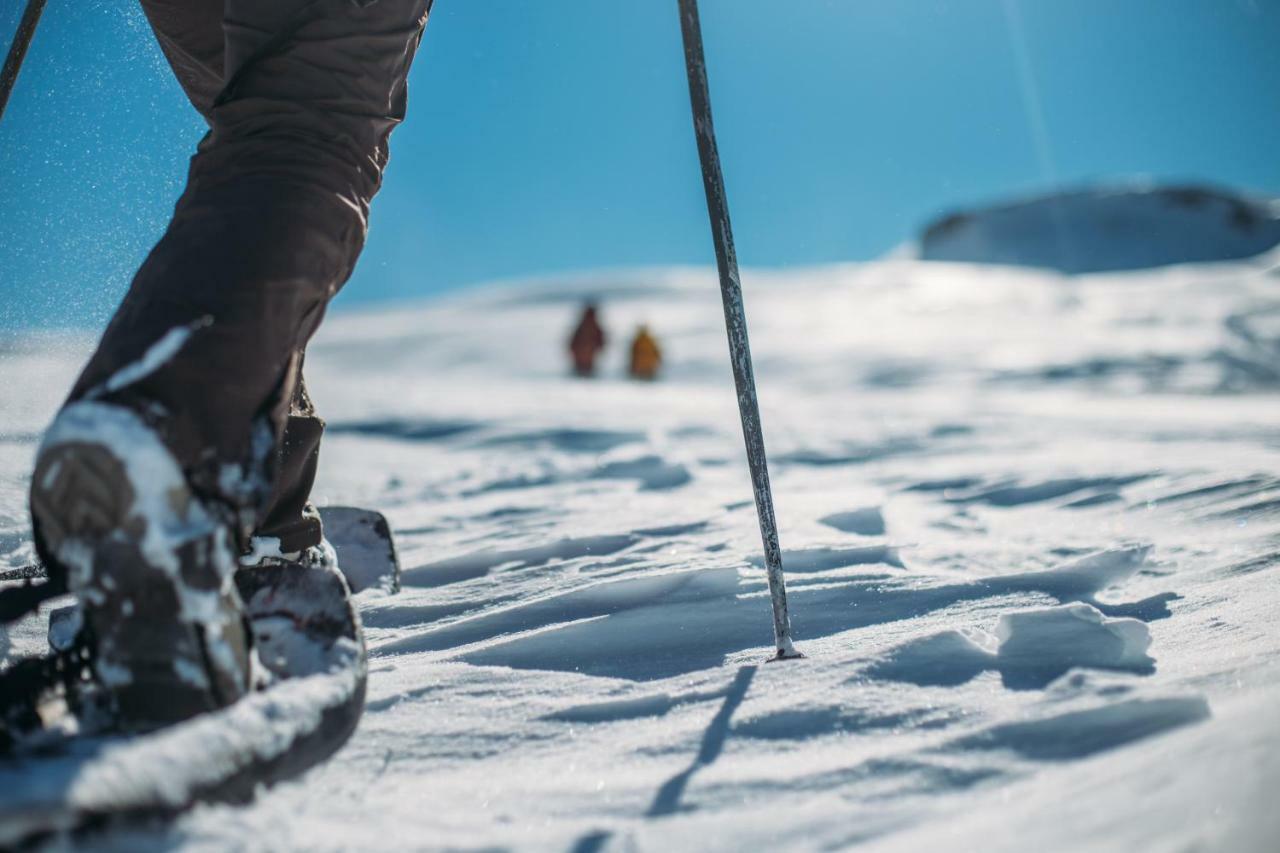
(1030, 527)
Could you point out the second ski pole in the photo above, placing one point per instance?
(18, 49)
(735, 322)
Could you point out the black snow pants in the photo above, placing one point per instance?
(300, 97)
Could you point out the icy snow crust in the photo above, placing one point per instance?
(1029, 525)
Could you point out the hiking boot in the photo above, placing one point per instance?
(300, 609)
(151, 565)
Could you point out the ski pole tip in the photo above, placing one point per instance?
(786, 652)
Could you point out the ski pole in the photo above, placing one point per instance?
(735, 320)
(18, 49)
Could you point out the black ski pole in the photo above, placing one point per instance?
(735, 320)
(18, 49)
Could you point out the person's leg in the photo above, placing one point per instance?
(269, 228)
(288, 517)
(190, 34)
(202, 361)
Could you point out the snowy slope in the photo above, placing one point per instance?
(1030, 525)
(1101, 229)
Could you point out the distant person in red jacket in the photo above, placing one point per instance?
(587, 342)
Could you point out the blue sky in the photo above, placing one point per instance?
(553, 135)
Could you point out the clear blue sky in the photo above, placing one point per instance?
(553, 135)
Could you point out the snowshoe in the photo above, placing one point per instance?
(65, 772)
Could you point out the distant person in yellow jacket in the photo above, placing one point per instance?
(646, 357)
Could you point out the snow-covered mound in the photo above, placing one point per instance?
(1100, 230)
(1030, 526)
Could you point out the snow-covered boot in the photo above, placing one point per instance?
(300, 609)
(152, 565)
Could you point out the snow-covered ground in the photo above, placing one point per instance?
(1032, 534)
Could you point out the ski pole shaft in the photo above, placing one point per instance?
(735, 319)
(18, 49)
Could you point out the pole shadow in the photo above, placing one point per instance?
(667, 800)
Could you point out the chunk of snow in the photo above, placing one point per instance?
(152, 360)
(1071, 635)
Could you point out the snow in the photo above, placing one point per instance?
(866, 521)
(1029, 523)
(156, 356)
(1030, 648)
(262, 548)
